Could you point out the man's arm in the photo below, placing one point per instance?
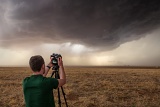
(47, 69)
(62, 74)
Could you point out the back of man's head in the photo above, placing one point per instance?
(36, 62)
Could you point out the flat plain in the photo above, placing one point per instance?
(90, 87)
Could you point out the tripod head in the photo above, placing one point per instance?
(55, 68)
(56, 71)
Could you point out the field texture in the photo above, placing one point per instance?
(91, 87)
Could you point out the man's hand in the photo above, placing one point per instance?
(60, 62)
(50, 63)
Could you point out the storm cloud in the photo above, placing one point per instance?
(103, 24)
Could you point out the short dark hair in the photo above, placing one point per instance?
(36, 62)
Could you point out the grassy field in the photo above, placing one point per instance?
(91, 87)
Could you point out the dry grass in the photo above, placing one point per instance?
(91, 87)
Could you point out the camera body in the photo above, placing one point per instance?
(55, 57)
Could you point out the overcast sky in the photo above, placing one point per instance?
(85, 32)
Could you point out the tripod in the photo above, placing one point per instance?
(56, 71)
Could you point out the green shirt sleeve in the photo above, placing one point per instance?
(53, 83)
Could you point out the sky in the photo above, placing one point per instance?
(84, 32)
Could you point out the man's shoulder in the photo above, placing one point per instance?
(51, 82)
(26, 78)
(49, 78)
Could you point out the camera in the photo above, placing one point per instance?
(55, 58)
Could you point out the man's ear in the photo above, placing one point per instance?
(43, 66)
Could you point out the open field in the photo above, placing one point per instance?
(91, 87)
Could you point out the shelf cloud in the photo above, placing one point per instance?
(102, 24)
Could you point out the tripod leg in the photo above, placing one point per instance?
(52, 74)
(59, 99)
(64, 95)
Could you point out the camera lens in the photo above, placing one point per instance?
(54, 61)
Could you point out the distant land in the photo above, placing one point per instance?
(110, 66)
(115, 66)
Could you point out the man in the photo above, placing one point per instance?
(38, 89)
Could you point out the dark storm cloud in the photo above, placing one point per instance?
(94, 23)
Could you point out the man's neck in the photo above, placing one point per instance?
(37, 73)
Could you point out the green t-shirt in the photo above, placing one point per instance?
(38, 91)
